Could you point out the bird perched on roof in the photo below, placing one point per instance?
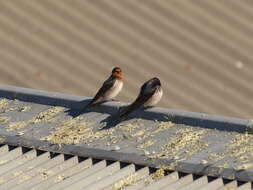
(150, 94)
(110, 88)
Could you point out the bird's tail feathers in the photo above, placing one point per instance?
(125, 111)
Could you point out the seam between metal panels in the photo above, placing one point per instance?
(200, 169)
(177, 116)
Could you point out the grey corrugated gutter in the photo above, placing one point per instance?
(177, 116)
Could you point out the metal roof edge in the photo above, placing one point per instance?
(156, 113)
(199, 169)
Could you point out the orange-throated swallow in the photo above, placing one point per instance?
(110, 88)
(150, 94)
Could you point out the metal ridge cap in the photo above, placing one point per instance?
(186, 167)
(156, 113)
(40, 96)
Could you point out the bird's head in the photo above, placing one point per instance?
(117, 72)
(155, 82)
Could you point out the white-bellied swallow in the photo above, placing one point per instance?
(150, 94)
(110, 88)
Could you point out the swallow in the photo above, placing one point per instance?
(110, 88)
(150, 94)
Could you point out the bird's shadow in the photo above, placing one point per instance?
(75, 112)
(111, 121)
(113, 118)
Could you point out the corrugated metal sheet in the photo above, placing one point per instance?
(201, 50)
(23, 168)
(204, 144)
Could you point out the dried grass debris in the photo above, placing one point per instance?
(138, 133)
(67, 133)
(4, 119)
(59, 178)
(158, 174)
(3, 162)
(45, 173)
(45, 116)
(17, 173)
(24, 109)
(127, 181)
(146, 144)
(73, 132)
(4, 103)
(2, 180)
(185, 143)
(163, 125)
(16, 125)
(129, 127)
(240, 149)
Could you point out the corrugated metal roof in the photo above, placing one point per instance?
(31, 169)
(201, 50)
(177, 140)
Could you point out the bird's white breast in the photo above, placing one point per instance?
(115, 89)
(153, 100)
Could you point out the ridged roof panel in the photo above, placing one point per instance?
(24, 168)
(201, 50)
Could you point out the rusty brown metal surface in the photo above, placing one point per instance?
(201, 50)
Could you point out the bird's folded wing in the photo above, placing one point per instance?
(107, 85)
(140, 100)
